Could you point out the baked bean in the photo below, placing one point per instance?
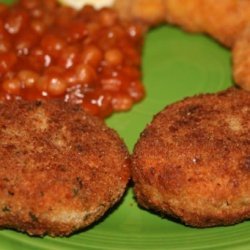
(69, 56)
(136, 31)
(5, 44)
(56, 85)
(92, 28)
(111, 83)
(114, 57)
(12, 86)
(85, 74)
(107, 17)
(70, 77)
(131, 72)
(52, 44)
(27, 78)
(136, 90)
(37, 12)
(76, 30)
(37, 59)
(122, 102)
(99, 102)
(89, 107)
(133, 54)
(38, 26)
(117, 33)
(25, 41)
(7, 61)
(91, 55)
(16, 20)
(87, 57)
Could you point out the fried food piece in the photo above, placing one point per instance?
(193, 161)
(224, 20)
(61, 169)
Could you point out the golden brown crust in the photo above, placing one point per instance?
(60, 169)
(193, 161)
(224, 20)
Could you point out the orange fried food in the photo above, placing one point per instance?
(193, 161)
(60, 169)
(224, 20)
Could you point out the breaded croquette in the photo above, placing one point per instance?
(193, 161)
(60, 169)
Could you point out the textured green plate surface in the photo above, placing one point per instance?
(175, 65)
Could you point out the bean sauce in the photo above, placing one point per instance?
(88, 57)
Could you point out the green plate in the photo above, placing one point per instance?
(175, 65)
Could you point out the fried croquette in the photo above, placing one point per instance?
(224, 20)
(193, 161)
(60, 169)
